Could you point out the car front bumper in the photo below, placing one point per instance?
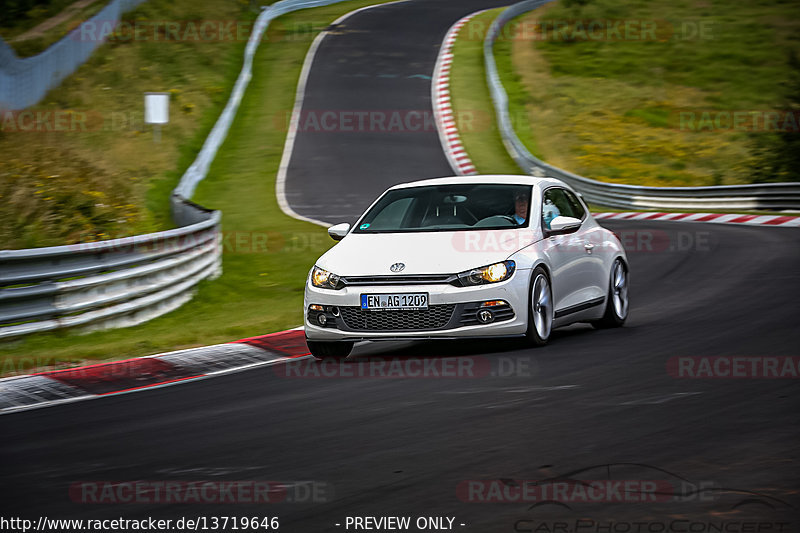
(452, 312)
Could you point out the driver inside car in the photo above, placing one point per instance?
(520, 207)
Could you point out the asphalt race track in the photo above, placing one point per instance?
(592, 405)
(379, 61)
(402, 445)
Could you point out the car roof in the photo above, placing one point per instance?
(490, 178)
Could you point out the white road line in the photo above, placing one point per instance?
(288, 148)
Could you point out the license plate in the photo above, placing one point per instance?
(404, 301)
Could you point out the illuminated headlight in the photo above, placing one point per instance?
(488, 274)
(324, 279)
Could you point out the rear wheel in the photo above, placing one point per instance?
(540, 308)
(617, 300)
(330, 350)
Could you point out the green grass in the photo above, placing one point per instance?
(518, 94)
(608, 109)
(472, 104)
(735, 50)
(261, 290)
(112, 180)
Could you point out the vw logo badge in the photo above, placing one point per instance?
(397, 267)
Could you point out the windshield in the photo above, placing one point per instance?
(456, 207)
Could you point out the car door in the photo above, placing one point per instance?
(589, 279)
(572, 260)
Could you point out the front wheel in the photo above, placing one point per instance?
(617, 300)
(540, 309)
(330, 350)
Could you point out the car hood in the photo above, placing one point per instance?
(363, 254)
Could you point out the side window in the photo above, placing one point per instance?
(557, 203)
(577, 207)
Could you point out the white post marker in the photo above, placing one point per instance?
(156, 112)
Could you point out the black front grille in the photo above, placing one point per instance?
(435, 317)
(399, 279)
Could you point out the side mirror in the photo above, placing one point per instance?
(339, 231)
(563, 225)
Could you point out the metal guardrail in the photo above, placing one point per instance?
(114, 283)
(127, 281)
(25, 81)
(773, 196)
(199, 168)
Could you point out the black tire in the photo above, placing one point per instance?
(330, 350)
(533, 336)
(612, 317)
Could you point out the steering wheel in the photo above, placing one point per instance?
(492, 220)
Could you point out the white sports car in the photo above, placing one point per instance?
(476, 256)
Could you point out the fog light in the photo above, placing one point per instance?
(322, 319)
(485, 316)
